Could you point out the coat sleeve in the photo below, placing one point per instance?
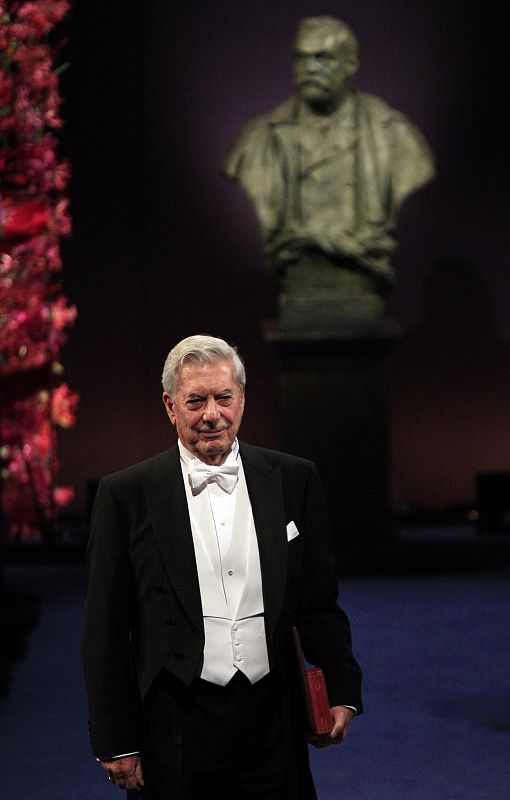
(323, 626)
(109, 673)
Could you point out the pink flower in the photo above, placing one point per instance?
(63, 406)
(63, 495)
(23, 220)
(6, 263)
(62, 315)
(62, 218)
(61, 176)
(44, 14)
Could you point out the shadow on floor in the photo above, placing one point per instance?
(19, 614)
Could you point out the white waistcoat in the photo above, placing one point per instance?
(230, 590)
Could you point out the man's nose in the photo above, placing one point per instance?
(211, 410)
(312, 65)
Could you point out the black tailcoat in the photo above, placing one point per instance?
(144, 611)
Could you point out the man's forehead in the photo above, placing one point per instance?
(317, 40)
(207, 387)
(203, 377)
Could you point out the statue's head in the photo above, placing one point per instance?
(325, 58)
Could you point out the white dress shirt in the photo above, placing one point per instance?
(228, 565)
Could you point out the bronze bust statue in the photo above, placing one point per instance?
(327, 171)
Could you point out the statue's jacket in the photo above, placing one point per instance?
(393, 159)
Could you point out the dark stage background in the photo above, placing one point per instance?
(164, 246)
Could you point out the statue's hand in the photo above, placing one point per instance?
(368, 250)
(289, 246)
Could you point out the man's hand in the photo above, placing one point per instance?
(342, 718)
(125, 772)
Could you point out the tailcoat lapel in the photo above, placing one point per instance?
(265, 489)
(168, 510)
(166, 502)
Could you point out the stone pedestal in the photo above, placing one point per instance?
(326, 295)
(334, 411)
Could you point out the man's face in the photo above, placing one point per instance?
(207, 409)
(322, 67)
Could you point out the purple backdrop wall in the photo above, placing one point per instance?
(164, 246)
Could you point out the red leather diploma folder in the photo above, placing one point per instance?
(314, 692)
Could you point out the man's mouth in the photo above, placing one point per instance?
(211, 433)
(312, 82)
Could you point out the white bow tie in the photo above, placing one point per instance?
(225, 476)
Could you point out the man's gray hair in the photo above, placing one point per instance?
(344, 35)
(199, 349)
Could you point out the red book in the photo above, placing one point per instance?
(314, 692)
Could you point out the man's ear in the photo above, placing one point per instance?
(352, 64)
(169, 407)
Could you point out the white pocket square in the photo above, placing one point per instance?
(292, 531)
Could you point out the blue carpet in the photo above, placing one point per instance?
(435, 652)
(436, 656)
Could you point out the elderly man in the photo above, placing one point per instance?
(201, 561)
(327, 171)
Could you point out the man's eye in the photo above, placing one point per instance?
(194, 403)
(224, 400)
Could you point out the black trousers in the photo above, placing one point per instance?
(237, 742)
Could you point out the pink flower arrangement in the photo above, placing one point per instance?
(34, 314)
